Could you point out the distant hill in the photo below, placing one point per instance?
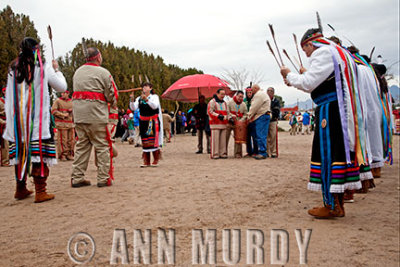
(303, 105)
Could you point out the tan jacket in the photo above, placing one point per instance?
(260, 104)
(113, 115)
(214, 109)
(240, 111)
(93, 89)
(60, 108)
(167, 121)
(2, 113)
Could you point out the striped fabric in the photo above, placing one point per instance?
(48, 149)
(343, 176)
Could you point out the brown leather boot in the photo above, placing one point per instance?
(22, 192)
(327, 212)
(348, 196)
(40, 187)
(371, 184)
(364, 188)
(156, 155)
(376, 172)
(40, 183)
(339, 202)
(321, 212)
(146, 160)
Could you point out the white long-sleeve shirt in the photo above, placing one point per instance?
(321, 66)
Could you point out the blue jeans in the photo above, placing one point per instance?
(261, 129)
(251, 144)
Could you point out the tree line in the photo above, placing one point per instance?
(129, 67)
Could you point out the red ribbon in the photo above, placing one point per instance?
(111, 171)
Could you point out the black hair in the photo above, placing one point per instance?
(352, 49)
(336, 40)
(239, 92)
(24, 64)
(147, 84)
(219, 90)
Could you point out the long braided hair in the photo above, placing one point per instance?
(25, 62)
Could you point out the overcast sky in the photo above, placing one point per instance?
(216, 35)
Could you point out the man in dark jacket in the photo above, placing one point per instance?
(272, 147)
(200, 113)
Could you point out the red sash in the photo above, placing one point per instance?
(83, 95)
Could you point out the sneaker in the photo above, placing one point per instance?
(199, 152)
(258, 157)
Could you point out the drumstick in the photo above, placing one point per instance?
(272, 52)
(129, 90)
(286, 54)
(273, 37)
(297, 48)
(297, 62)
(51, 39)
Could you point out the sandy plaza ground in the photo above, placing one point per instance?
(189, 191)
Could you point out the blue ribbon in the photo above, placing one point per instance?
(326, 158)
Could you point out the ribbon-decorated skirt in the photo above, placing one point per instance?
(329, 170)
(48, 152)
(149, 128)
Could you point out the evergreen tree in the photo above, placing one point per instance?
(129, 68)
(13, 29)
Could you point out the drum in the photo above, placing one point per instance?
(240, 132)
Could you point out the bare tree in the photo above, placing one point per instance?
(239, 79)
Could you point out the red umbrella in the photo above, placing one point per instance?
(188, 88)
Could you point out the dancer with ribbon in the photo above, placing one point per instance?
(28, 128)
(334, 165)
(150, 124)
(94, 94)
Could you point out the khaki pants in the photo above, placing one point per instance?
(293, 130)
(200, 134)
(91, 135)
(112, 129)
(300, 127)
(237, 148)
(271, 139)
(137, 140)
(306, 129)
(218, 143)
(65, 142)
(167, 135)
(4, 152)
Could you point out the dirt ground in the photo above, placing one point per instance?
(189, 191)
